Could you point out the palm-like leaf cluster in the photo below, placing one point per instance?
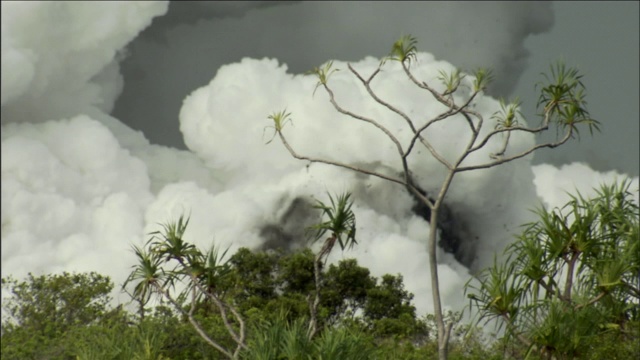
(322, 73)
(187, 263)
(570, 276)
(147, 272)
(508, 115)
(280, 119)
(563, 99)
(341, 223)
(166, 260)
(280, 339)
(404, 49)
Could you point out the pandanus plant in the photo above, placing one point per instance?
(167, 259)
(570, 278)
(340, 227)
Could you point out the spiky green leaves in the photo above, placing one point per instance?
(508, 115)
(323, 73)
(404, 49)
(167, 248)
(451, 81)
(341, 223)
(280, 119)
(571, 275)
(147, 272)
(562, 99)
(499, 294)
(282, 339)
(170, 243)
(482, 79)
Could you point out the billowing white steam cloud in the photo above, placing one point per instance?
(79, 186)
(556, 185)
(53, 52)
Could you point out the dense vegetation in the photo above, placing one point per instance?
(68, 316)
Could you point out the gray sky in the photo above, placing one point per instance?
(183, 50)
(602, 39)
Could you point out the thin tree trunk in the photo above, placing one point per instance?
(569, 283)
(435, 287)
(444, 330)
(193, 322)
(313, 306)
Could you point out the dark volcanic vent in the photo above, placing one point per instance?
(288, 233)
(454, 237)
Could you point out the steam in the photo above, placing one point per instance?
(59, 57)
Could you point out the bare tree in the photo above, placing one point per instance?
(561, 103)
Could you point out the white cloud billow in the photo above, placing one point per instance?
(72, 198)
(555, 185)
(57, 56)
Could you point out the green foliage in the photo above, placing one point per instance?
(270, 283)
(322, 73)
(467, 342)
(563, 98)
(296, 272)
(279, 339)
(362, 317)
(451, 81)
(45, 313)
(282, 339)
(344, 343)
(168, 259)
(482, 79)
(179, 339)
(280, 119)
(341, 223)
(56, 302)
(149, 272)
(119, 340)
(570, 278)
(253, 278)
(508, 115)
(263, 284)
(170, 244)
(404, 49)
(347, 289)
(389, 299)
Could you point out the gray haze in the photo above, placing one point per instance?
(602, 39)
(183, 50)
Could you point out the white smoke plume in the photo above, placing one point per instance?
(557, 185)
(79, 186)
(59, 57)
